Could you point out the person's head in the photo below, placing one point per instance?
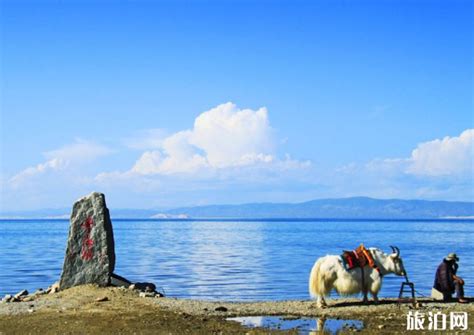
(452, 258)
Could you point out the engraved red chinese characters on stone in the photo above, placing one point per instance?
(87, 251)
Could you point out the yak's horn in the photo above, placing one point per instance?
(395, 250)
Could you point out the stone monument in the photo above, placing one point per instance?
(90, 253)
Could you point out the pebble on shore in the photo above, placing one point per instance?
(24, 295)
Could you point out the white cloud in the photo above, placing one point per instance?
(450, 156)
(439, 158)
(227, 148)
(223, 137)
(231, 155)
(230, 136)
(54, 164)
(437, 169)
(79, 152)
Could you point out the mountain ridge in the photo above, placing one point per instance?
(353, 207)
(331, 208)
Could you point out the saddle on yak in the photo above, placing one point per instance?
(357, 258)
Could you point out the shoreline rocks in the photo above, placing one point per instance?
(21, 294)
(53, 288)
(25, 296)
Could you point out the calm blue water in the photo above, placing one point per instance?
(234, 260)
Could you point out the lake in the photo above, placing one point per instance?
(235, 260)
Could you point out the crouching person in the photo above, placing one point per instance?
(446, 281)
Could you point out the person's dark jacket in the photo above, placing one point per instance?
(444, 281)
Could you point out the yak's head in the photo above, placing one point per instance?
(394, 263)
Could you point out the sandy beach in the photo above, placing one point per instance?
(91, 309)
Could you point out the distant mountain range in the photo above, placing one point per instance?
(344, 208)
(354, 208)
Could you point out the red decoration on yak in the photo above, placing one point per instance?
(87, 251)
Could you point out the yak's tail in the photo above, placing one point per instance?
(316, 284)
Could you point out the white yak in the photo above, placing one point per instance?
(328, 272)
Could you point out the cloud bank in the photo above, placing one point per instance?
(436, 169)
(222, 137)
(232, 155)
(450, 156)
(77, 153)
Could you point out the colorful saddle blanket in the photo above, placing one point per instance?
(357, 258)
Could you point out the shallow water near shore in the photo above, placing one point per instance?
(304, 326)
(235, 260)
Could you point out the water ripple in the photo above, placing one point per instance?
(247, 260)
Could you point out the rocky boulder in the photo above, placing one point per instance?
(90, 254)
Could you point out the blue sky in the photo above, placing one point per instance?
(163, 104)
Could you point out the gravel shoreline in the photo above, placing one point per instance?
(92, 309)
